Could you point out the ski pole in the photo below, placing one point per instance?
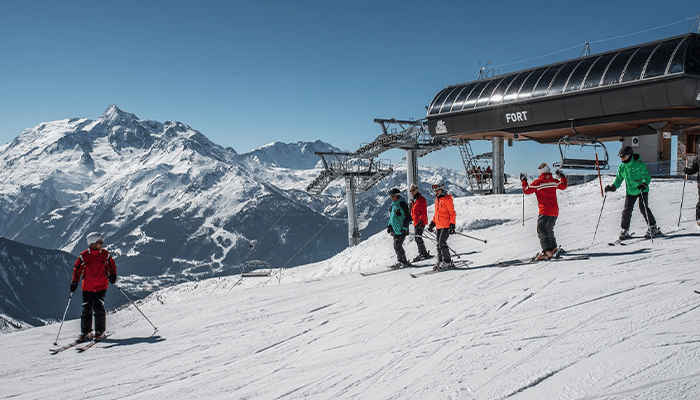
(448, 246)
(471, 237)
(646, 215)
(682, 195)
(137, 307)
(55, 343)
(600, 179)
(601, 214)
(523, 208)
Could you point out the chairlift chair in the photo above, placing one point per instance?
(582, 163)
(256, 269)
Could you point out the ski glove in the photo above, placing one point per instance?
(431, 227)
(643, 186)
(452, 229)
(560, 174)
(610, 188)
(687, 171)
(73, 286)
(523, 177)
(420, 225)
(113, 279)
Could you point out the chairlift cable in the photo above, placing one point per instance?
(279, 270)
(696, 17)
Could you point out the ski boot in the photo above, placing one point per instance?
(446, 265)
(625, 234)
(84, 337)
(652, 232)
(421, 257)
(556, 253)
(438, 266)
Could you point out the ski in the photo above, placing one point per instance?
(526, 261)
(697, 291)
(458, 265)
(69, 345)
(95, 340)
(622, 241)
(387, 269)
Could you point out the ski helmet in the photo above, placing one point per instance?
(625, 151)
(394, 192)
(93, 237)
(439, 185)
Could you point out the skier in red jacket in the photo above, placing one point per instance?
(97, 269)
(545, 188)
(419, 214)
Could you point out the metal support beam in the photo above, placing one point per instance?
(353, 230)
(498, 166)
(411, 171)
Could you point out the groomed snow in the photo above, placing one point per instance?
(620, 325)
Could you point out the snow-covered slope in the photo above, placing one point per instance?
(620, 325)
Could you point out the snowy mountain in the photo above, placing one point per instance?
(174, 206)
(619, 325)
(32, 290)
(300, 155)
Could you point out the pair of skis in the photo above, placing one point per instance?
(458, 264)
(632, 239)
(86, 344)
(532, 260)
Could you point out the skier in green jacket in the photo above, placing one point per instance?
(636, 176)
(399, 221)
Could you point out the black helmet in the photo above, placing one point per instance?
(625, 151)
(394, 192)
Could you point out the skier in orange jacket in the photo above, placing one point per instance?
(444, 221)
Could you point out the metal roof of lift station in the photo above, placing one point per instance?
(632, 91)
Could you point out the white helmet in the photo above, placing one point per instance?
(94, 237)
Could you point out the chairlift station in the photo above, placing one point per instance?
(640, 95)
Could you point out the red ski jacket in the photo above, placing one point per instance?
(419, 210)
(545, 188)
(444, 212)
(94, 266)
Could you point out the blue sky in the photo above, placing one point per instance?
(248, 73)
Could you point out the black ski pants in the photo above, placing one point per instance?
(419, 229)
(545, 231)
(443, 251)
(398, 248)
(643, 208)
(93, 302)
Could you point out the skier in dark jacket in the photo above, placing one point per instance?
(694, 169)
(399, 220)
(545, 188)
(419, 215)
(636, 176)
(97, 269)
